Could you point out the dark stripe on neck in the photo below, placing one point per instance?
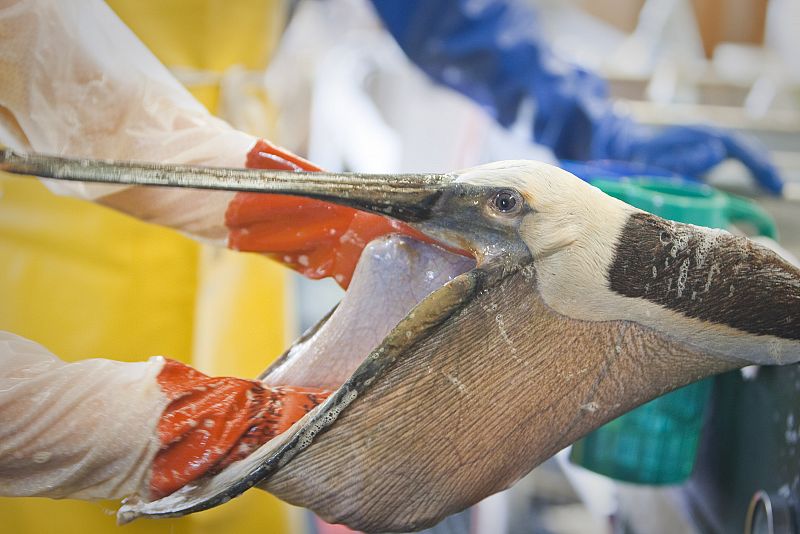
(707, 274)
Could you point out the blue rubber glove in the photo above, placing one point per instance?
(491, 52)
(686, 150)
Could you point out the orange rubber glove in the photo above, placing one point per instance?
(315, 238)
(210, 423)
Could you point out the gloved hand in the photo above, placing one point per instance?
(686, 150)
(119, 428)
(315, 238)
(493, 53)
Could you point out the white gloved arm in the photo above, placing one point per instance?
(101, 429)
(77, 82)
(84, 430)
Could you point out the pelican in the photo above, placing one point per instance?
(457, 373)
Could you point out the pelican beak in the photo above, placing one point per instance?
(432, 204)
(406, 197)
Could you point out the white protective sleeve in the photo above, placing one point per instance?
(85, 430)
(75, 81)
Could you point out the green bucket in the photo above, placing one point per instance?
(657, 442)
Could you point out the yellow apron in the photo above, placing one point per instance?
(86, 281)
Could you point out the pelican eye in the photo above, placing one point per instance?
(506, 201)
